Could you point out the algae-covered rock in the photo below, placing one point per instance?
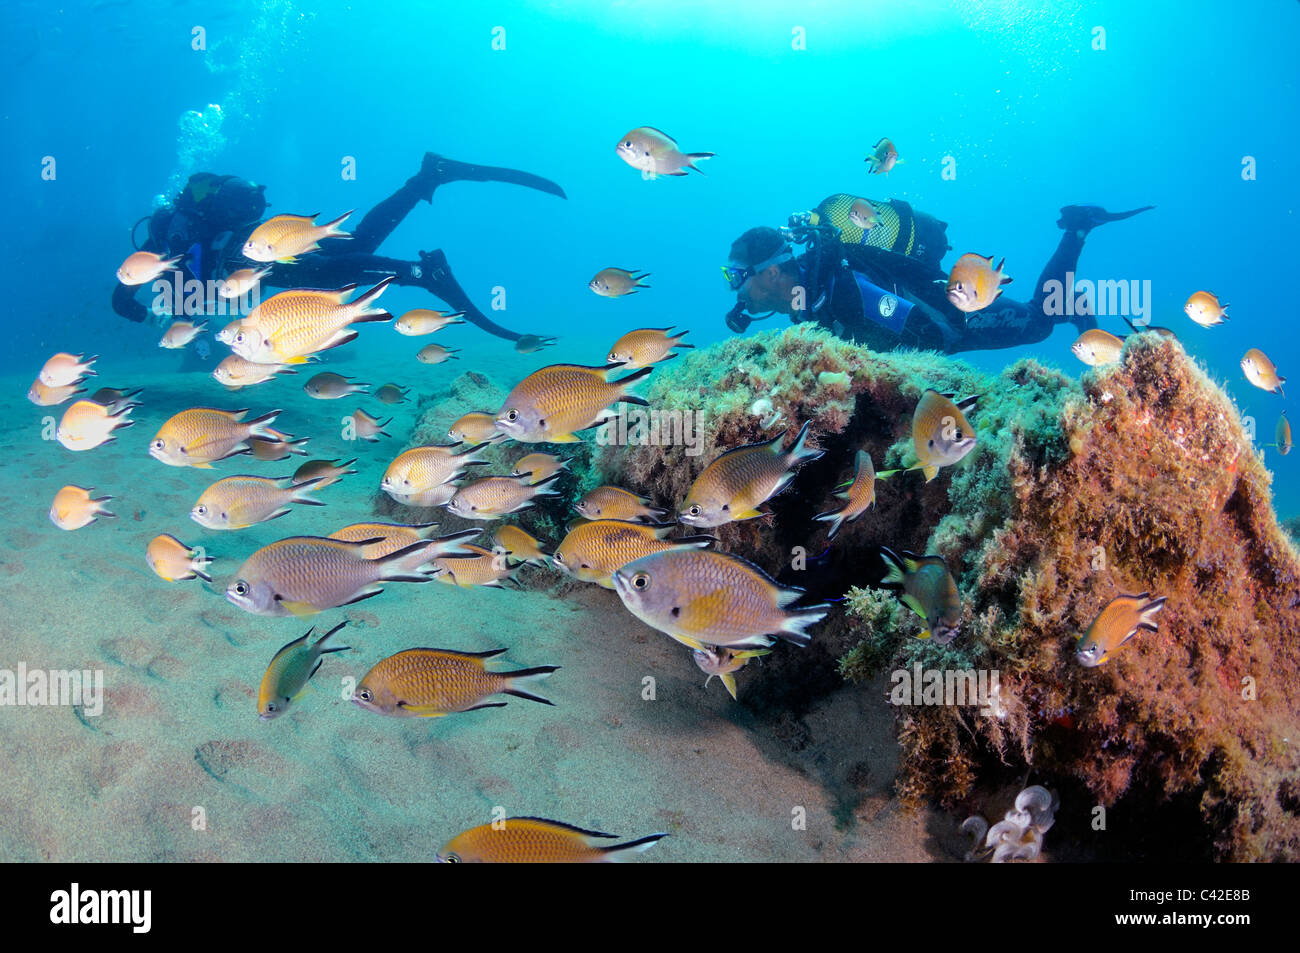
(1139, 479)
(1159, 491)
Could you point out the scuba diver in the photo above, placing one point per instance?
(211, 218)
(881, 285)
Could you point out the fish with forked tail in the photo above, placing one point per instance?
(291, 670)
(925, 586)
(1121, 619)
(536, 840)
(430, 683)
(736, 484)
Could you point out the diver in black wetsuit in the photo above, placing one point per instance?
(213, 216)
(883, 286)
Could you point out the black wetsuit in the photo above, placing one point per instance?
(864, 291)
(340, 261)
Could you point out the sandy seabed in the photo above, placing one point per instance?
(328, 781)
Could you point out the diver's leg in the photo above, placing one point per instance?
(1057, 281)
(431, 273)
(1076, 221)
(379, 222)
(336, 271)
(435, 170)
(437, 278)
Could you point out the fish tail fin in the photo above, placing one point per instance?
(397, 567)
(623, 383)
(300, 491)
(835, 518)
(693, 542)
(535, 674)
(332, 229)
(1147, 614)
(894, 568)
(543, 487)
(261, 426)
(618, 852)
(361, 306)
(800, 453)
(799, 620)
(324, 638)
(692, 156)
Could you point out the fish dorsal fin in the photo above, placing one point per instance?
(490, 653)
(298, 641)
(360, 544)
(915, 562)
(662, 133)
(786, 595)
(568, 827)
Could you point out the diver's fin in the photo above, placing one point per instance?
(1087, 217)
(439, 170)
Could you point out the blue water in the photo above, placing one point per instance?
(1034, 117)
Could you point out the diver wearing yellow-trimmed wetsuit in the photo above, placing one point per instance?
(883, 286)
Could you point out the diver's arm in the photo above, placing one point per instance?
(124, 303)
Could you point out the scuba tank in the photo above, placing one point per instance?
(878, 306)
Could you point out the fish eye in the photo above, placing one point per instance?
(201, 509)
(694, 510)
(157, 445)
(271, 706)
(364, 695)
(512, 415)
(641, 581)
(452, 859)
(241, 588)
